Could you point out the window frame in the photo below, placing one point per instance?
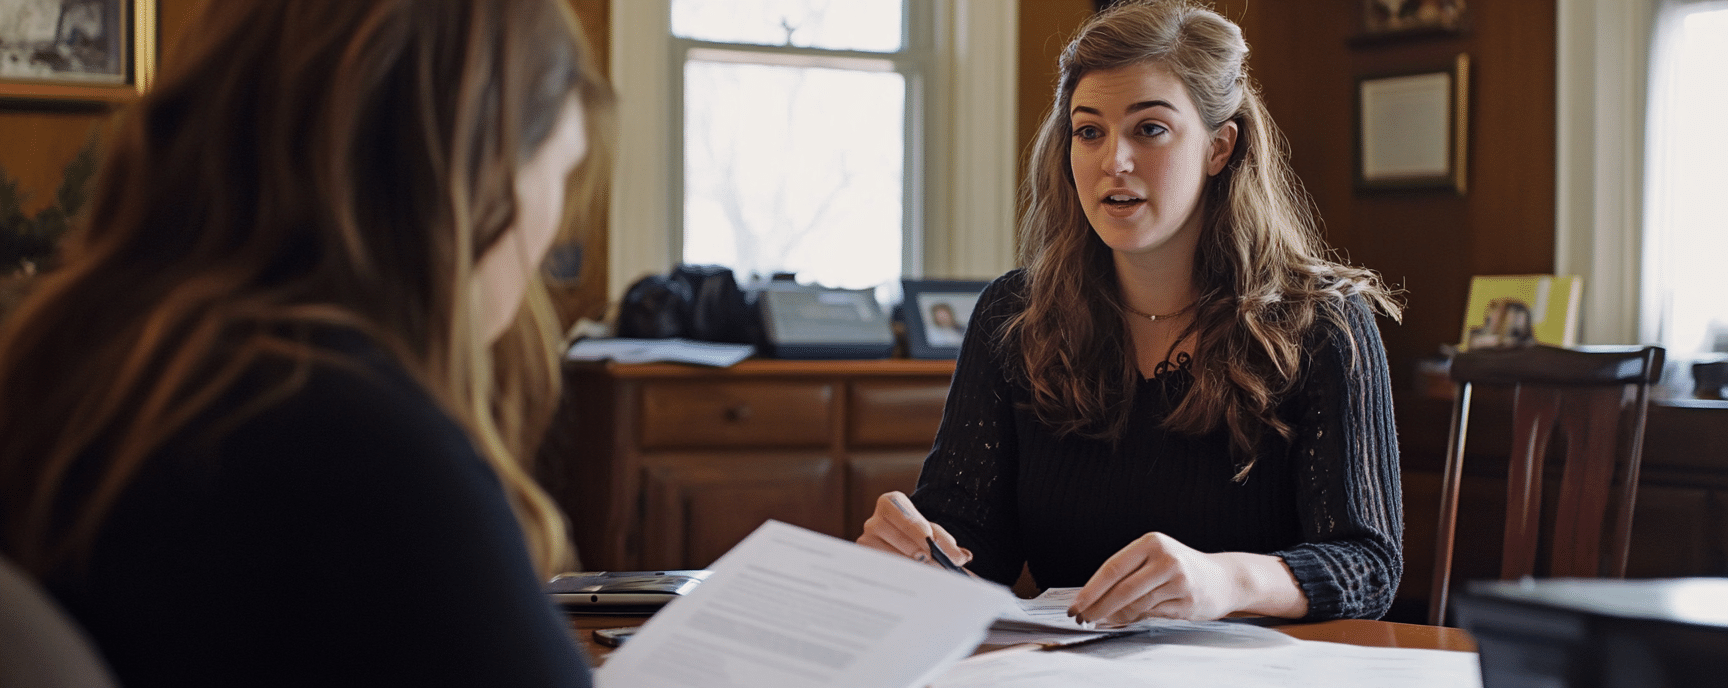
(966, 168)
(913, 62)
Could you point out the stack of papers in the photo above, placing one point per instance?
(1165, 652)
(1044, 621)
(1199, 659)
(789, 608)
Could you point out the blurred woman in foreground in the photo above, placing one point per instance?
(269, 423)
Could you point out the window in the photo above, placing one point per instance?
(853, 141)
(796, 135)
(1686, 178)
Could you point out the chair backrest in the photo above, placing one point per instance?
(40, 646)
(1596, 399)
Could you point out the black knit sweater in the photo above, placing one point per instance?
(1013, 491)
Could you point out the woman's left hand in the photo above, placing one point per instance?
(1158, 576)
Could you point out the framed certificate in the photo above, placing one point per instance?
(1413, 129)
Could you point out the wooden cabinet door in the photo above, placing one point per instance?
(868, 475)
(1671, 534)
(697, 506)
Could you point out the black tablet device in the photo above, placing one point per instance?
(621, 592)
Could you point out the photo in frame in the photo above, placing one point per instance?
(1521, 310)
(1382, 18)
(936, 313)
(1413, 130)
(99, 51)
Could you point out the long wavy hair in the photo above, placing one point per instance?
(311, 163)
(1263, 274)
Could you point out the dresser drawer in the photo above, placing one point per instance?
(736, 414)
(896, 413)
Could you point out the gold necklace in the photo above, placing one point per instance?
(1156, 318)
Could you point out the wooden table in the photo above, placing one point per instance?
(1348, 631)
(1383, 634)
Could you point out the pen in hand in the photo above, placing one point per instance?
(898, 500)
(942, 558)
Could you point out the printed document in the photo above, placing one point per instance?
(790, 607)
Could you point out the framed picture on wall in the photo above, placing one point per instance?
(1391, 18)
(76, 50)
(1413, 129)
(936, 313)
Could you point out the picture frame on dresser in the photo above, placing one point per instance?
(936, 313)
(76, 52)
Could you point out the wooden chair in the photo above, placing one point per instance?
(1597, 398)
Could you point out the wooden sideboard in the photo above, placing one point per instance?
(668, 466)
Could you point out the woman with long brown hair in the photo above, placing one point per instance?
(1180, 405)
(270, 421)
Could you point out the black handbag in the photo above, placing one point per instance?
(694, 302)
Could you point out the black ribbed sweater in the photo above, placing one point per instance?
(1329, 503)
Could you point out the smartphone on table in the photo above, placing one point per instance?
(613, 637)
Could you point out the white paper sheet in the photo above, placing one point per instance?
(790, 607)
(1150, 663)
(1047, 611)
(1044, 620)
(691, 351)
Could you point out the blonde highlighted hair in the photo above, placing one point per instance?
(1264, 275)
(311, 163)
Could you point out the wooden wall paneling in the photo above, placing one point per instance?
(174, 21)
(1045, 27)
(585, 296)
(1429, 242)
(1419, 239)
(35, 146)
(1512, 202)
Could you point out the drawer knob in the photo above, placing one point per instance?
(739, 413)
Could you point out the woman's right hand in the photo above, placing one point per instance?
(898, 528)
